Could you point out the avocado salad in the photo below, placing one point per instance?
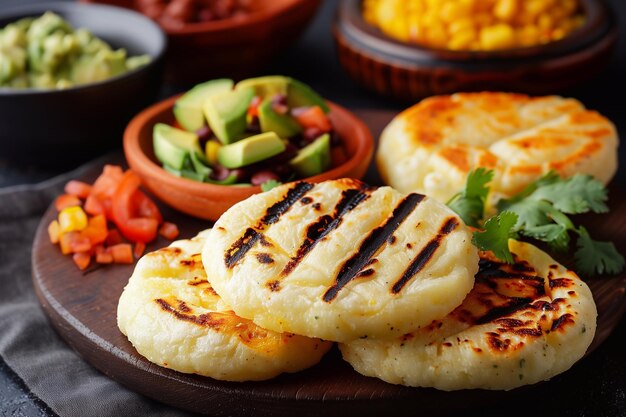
(260, 131)
(47, 53)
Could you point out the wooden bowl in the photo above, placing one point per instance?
(209, 201)
(233, 47)
(411, 72)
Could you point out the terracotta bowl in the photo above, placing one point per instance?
(411, 72)
(209, 201)
(234, 47)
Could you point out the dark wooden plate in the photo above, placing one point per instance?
(82, 308)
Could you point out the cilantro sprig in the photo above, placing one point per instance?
(541, 211)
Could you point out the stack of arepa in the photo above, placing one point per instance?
(392, 276)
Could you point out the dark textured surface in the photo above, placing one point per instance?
(600, 380)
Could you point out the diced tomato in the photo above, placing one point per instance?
(146, 207)
(136, 229)
(66, 200)
(113, 237)
(54, 231)
(169, 230)
(71, 242)
(93, 205)
(104, 258)
(122, 253)
(140, 248)
(253, 108)
(96, 230)
(78, 188)
(314, 117)
(82, 260)
(80, 244)
(106, 184)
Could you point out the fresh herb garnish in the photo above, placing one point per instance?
(541, 212)
(269, 184)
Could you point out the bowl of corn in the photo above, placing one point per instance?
(410, 49)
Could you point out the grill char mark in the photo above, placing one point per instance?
(182, 312)
(372, 243)
(422, 258)
(318, 230)
(252, 235)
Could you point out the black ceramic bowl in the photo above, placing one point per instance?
(410, 72)
(66, 127)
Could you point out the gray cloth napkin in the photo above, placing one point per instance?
(28, 344)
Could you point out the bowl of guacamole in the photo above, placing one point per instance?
(71, 77)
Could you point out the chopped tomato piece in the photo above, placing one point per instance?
(122, 253)
(314, 117)
(106, 184)
(113, 237)
(82, 260)
(169, 230)
(96, 230)
(145, 207)
(73, 242)
(80, 244)
(66, 200)
(54, 231)
(72, 219)
(140, 248)
(136, 229)
(78, 188)
(253, 108)
(104, 258)
(93, 205)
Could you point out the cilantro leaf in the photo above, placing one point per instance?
(269, 184)
(577, 194)
(595, 257)
(470, 203)
(498, 230)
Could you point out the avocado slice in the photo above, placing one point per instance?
(267, 86)
(199, 165)
(283, 124)
(188, 108)
(314, 158)
(301, 95)
(172, 146)
(226, 113)
(250, 150)
(184, 173)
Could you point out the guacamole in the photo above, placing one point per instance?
(47, 53)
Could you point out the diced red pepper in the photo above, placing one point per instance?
(82, 260)
(122, 253)
(78, 188)
(134, 228)
(314, 117)
(93, 205)
(253, 108)
(54, 231)
(66, 200)
(169, 230)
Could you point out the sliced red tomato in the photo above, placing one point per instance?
(140, 248)
(314, 117)
(66, 200)
(137, 229)
(146, 207)
(78, 188)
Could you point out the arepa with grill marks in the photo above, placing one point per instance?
(172, 316)
(340, 260)
(521, 324)
(431, 147)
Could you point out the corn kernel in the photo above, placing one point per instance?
(505, 9)
(72, 219)
(497, 37)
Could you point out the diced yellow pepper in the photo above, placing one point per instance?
(210, 149)
(72, 219)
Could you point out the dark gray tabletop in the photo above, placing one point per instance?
(595, 387)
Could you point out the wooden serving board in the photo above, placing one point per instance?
(82, 308)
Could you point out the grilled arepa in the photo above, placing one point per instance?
(340, 260)
(172, 316)
(430, 147)
(520, 324)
